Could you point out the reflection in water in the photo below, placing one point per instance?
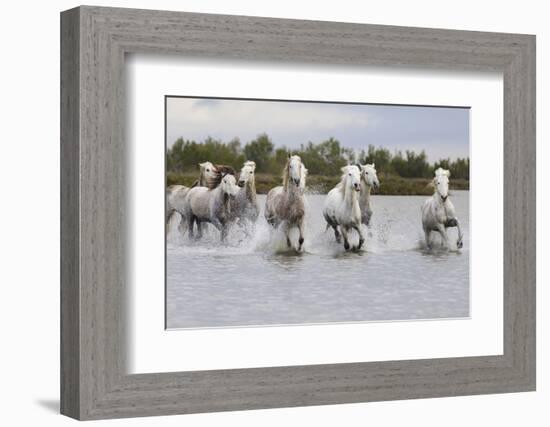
(257, 281)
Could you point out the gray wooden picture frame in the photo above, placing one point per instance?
(94, 41)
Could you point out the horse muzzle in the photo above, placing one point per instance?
(296, 182)
(241, 184)
(444, 198)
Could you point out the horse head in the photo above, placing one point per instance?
(294, 170)
(228, 185)
(368, 175)
(207, 173)
(247, 173)
(441, 183)
(351, 177)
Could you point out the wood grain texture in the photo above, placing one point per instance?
(70, 260)
(94, 238)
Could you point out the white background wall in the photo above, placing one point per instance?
(29, 212)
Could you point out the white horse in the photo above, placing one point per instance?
(211, 205)
(245, 207)
(286, 204)
(438, 213)
(208, 171)
(369, 180)
(176, 194)
(341, 208)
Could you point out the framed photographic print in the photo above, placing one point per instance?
(259, 265)
(262, 213)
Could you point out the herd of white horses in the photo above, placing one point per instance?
(219, 198)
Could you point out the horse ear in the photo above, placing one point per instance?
(448, 173)
(373, 165)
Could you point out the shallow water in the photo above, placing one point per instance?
(257, 281)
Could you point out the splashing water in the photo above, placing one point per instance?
(254, 279)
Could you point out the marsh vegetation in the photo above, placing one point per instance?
(402, 173)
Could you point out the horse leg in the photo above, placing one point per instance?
(361, 236)
(368, 215)
(181, 225)
(459, 242)
(168, 221)
(443, 231)
(222, 226)
(286, 229)
(169, 214)
(301, 238)
(337, 235)
(199, 229)
(192, 219)
(427, 235)
(345, 234)
(287, 235)
(334, 225)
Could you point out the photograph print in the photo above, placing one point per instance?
(286, 212)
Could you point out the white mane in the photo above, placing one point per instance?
(341, 186)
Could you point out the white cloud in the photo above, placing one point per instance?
(196, 119)
(441, 132)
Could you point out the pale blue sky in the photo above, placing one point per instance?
(441, 131)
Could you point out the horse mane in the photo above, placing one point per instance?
(341, 187)
(220, 172)
(224, 169)
(285, 174)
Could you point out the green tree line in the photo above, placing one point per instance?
(324, 158)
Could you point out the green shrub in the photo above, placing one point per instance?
(406, 174)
